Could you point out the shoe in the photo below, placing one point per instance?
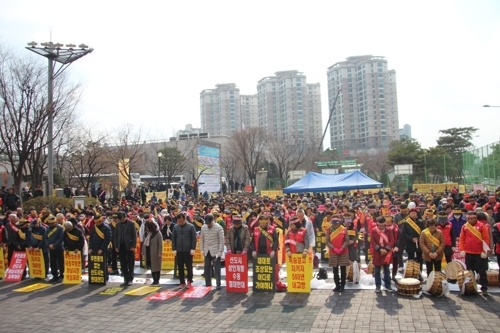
(218, 288)
(54, 279)
(188, 285)
(341, 289)
(114, 272)
(124, 284)
(155, 284)
(377, 290)
(401, 270)
(337, 288)
(182, 286)
(390, 290)
(485, 293)
(129, 283)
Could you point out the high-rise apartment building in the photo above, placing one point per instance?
(249, 107)
(366, 113)
(289, 107)
(220, 110)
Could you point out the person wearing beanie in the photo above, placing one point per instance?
(474, 245)
(457, 221)
(432, 245)
(449, 238)
(412, 228)
(337, 241)
(212, 246)
(296, 240)
(382, 243)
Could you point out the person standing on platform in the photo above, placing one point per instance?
(125, 242)
(183, 247)
(337, 241)
(474, 245)
(55, 239)
(212, 246)
(100, 238)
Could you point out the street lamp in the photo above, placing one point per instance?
(65, 56)
(159, 166)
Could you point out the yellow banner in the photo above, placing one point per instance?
(426, 188)
(72, 267)
(123, 171)
(167, 256)
(33, 287)
(198, 256)
(271, 194)
(142, 291)
(281, 248)
(3, 262)
(299, 273)
(36, 264)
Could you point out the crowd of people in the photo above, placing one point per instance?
(381, 226)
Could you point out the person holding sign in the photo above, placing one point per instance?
(238, 237)
(22, 237)
(382, 244)
(473, 244)
(125, 240)
(100, 237)
(296, 240)
(212, 245)
(337, 241)
(432, 245)
(73, 238)
(265, 240)
(38, 240)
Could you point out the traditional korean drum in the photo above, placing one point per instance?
(435, 282)
(412, 269)
(409, 287)
(451, 270)
(492, 278)
(467, 283)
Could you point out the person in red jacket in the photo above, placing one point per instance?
(449, 238)
(337, 241)
(394, 228)
(296, 238)
(382, 243)
(474, 245)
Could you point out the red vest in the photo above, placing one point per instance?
(497, 245)
(446, 230)
(295, 237)
(338, 241)
(256, 237)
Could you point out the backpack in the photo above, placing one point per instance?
(322, 274)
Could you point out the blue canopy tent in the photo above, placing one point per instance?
(318, 182)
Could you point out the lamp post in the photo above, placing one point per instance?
(64, 56)
(160, 154)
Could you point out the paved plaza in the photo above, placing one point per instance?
(79, 308)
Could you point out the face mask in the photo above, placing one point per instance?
(457, 216)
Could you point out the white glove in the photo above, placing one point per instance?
(254, 254)
(272, 254)
(462, 253)
(174, 252)
(484, 255)
(192, 252)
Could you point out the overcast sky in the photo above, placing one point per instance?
(152, 59)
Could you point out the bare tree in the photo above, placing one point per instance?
(229, 163)
(23, 129)
(249, 146)
(287, 155)
(89, 157)
(128, 150)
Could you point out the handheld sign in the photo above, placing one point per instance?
(36, 263)
(3, 263)
(97, 269)
(236, 273)
(264, 273)
(72, 267)
(16, 267)
(167, 256)
(137, 252)
(198, 256)
(299, 273)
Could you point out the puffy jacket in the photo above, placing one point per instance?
(184, 238)
(212, 239)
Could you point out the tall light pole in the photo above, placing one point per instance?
(159, 167)
(64, 56)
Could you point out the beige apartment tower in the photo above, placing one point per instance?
(366, 113)
(289, 107)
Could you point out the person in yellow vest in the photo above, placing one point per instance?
(353, 236)
(296, 238)
(474, 245)
(412, 228)
(337, 241)
(432, 245)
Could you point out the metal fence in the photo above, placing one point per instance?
(481, 166)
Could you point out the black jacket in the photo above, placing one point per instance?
(73, 240)
(126, 228)
(184, 238)
(97, 243)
